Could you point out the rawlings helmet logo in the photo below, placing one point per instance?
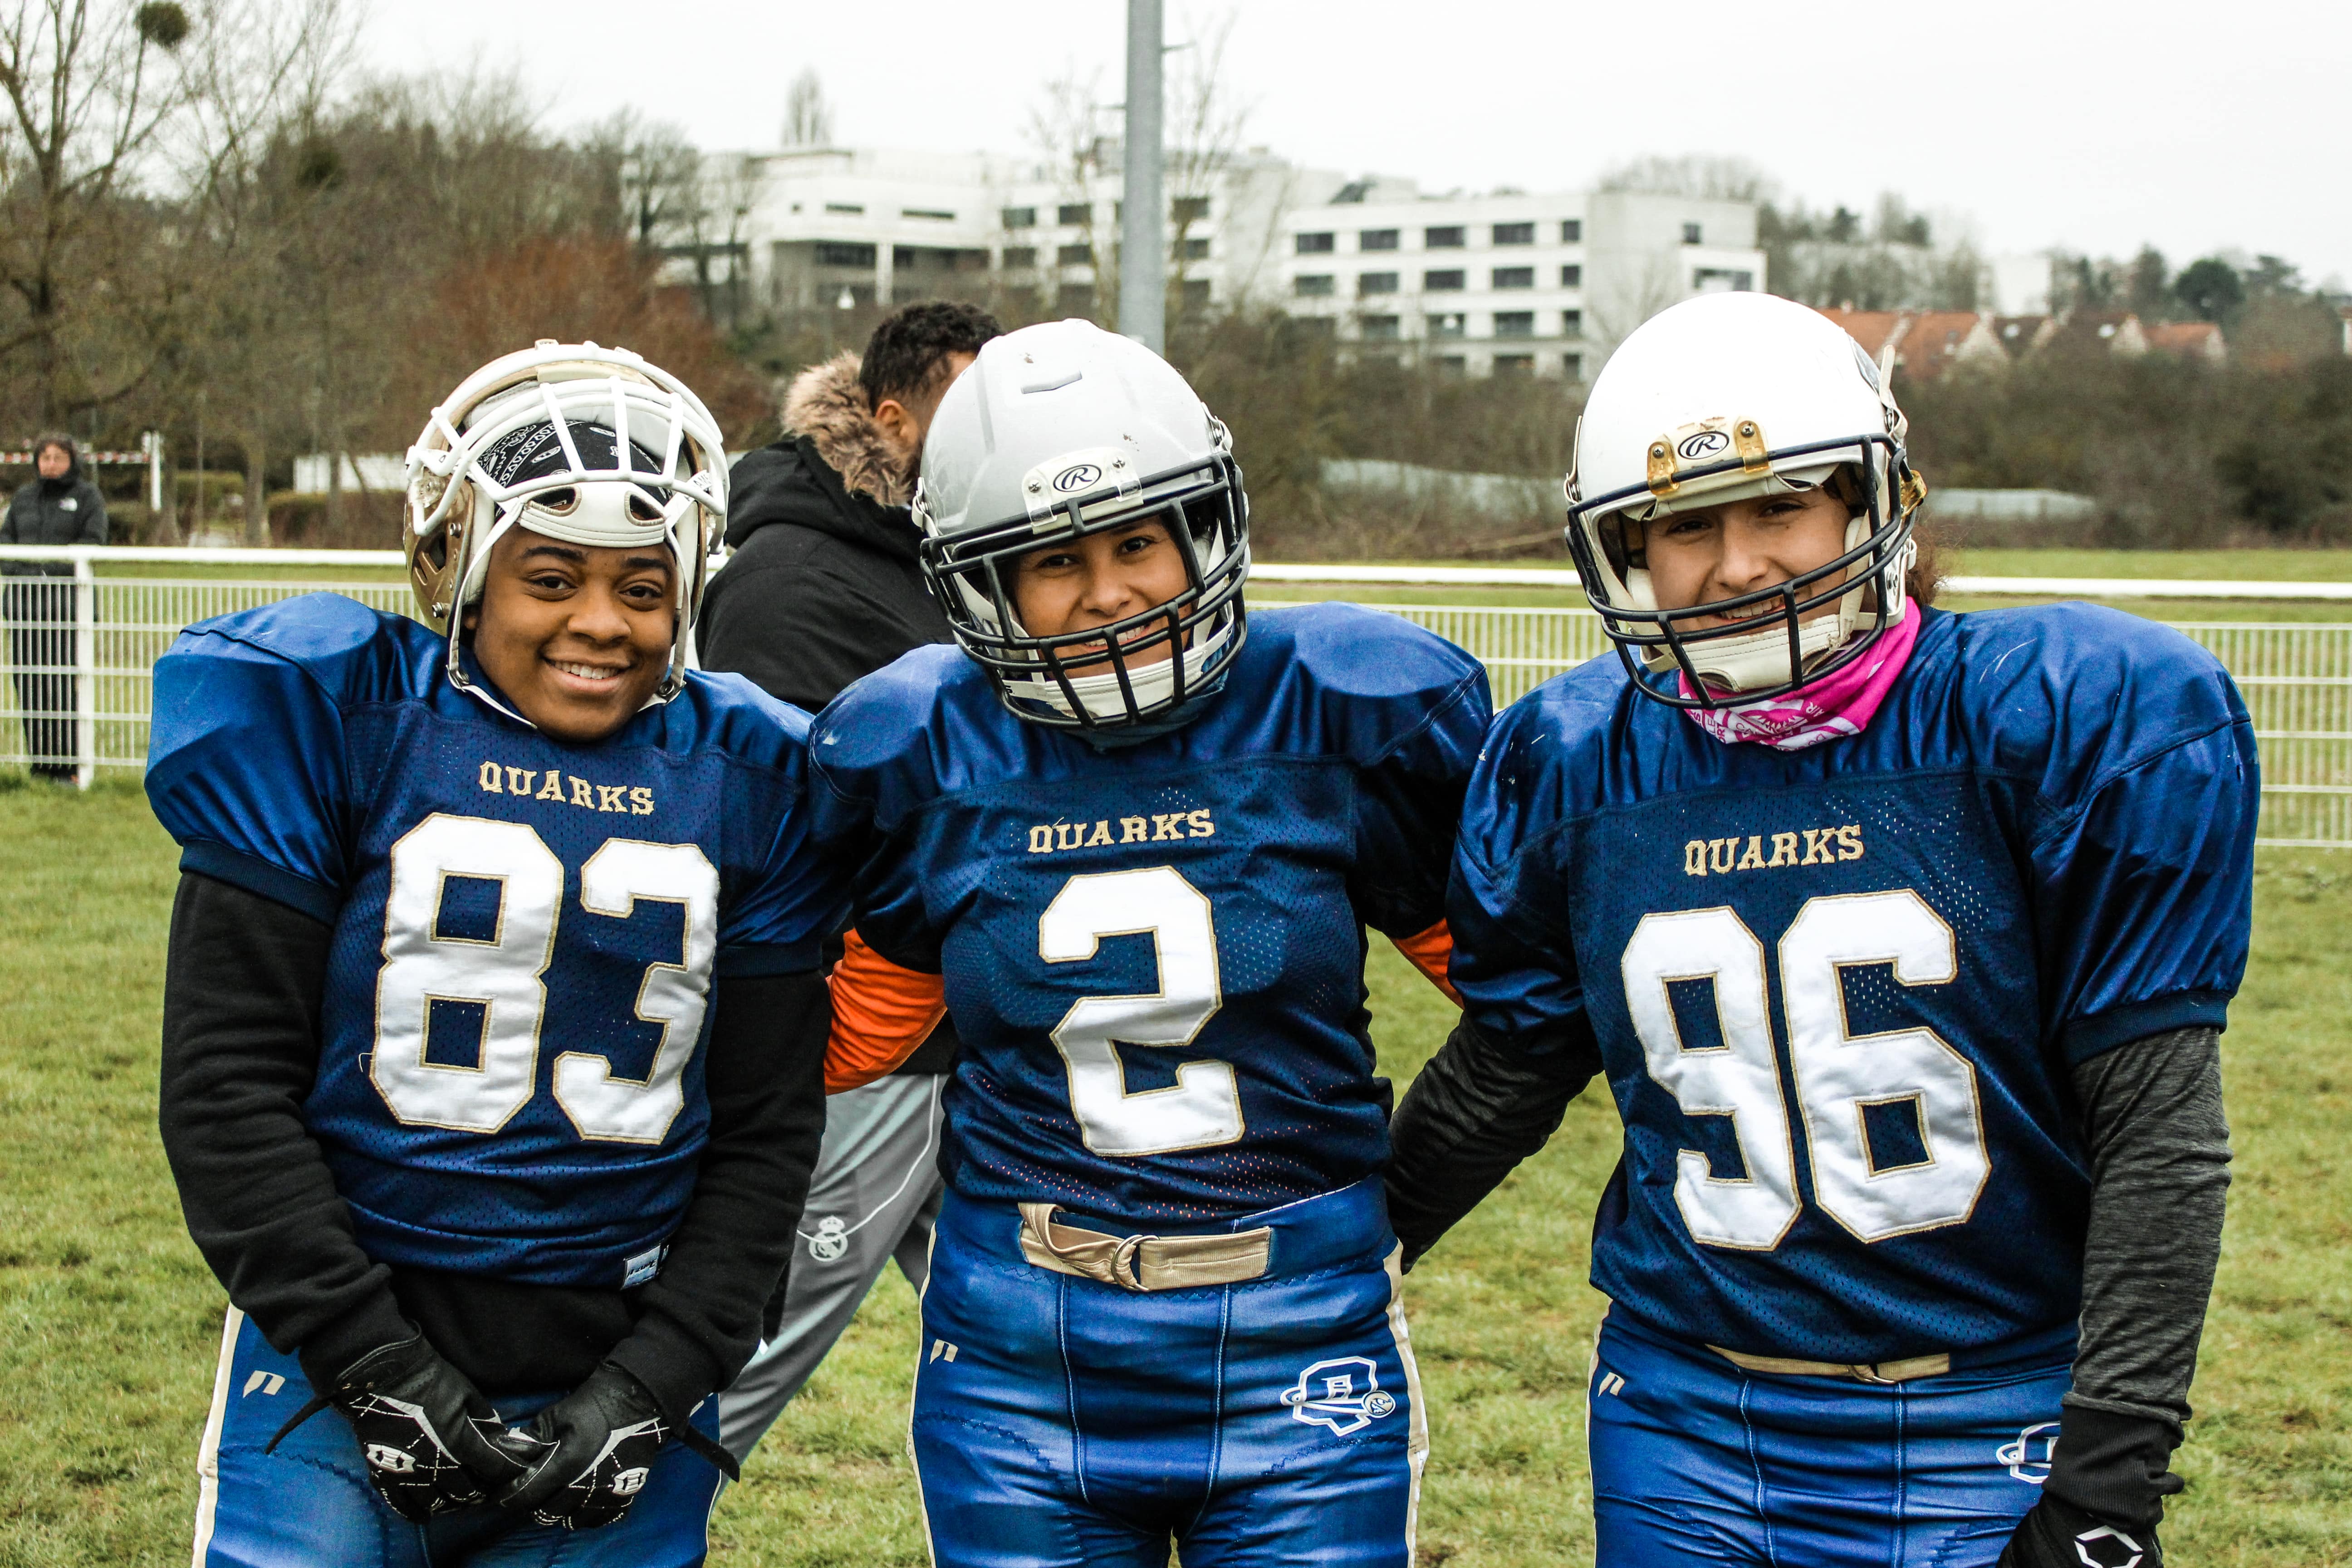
(1701, 445)
(1077, 477)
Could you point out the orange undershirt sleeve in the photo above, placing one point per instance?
(1428, 950)
(880, 1013)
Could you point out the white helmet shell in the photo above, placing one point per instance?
(1722, 399)
(585, 444)
(1060, 430)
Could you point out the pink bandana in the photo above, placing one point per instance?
(1827, 710)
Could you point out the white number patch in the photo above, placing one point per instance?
(504, 976)
(1838, 1074)
(1204, 1107)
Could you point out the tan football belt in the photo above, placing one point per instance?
(1142, 1262)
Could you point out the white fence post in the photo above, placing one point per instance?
(85, 592)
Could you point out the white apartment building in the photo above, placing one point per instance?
(1517, 283)
(1509, 282)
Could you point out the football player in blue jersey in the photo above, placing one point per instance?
(1133, 851)
(493, 1040)
(1903, 938)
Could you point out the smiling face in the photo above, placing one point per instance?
(1722, 552)
(577, 639)
(1100, 578)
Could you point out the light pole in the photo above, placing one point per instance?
(1143, 227)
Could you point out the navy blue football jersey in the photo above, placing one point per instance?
(525, 931)
(1838, 991)
(1154, 953)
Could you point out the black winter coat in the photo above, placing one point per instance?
(822, 587)
(53, 511)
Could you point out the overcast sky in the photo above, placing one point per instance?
(2060, 122)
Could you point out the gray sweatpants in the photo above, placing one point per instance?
(873, 1197)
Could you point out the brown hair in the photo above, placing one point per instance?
(1926, 569)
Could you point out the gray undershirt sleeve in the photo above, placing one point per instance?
(2159, 1171)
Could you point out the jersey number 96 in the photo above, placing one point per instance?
(1837, 1074)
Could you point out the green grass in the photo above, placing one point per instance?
(110, 1323)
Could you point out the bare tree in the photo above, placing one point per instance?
(1205, 123)
(1065, 128)
(1699, 176)
(92, 90)
(808, 118)
(265, 321)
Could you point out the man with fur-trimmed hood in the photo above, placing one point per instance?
(823, 588)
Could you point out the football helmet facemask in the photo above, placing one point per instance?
(1723, 398)
(1062, 430)
(584, 444)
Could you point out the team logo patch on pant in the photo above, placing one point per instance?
(831, 1240)
(1343, 1394)
(2027, 1458)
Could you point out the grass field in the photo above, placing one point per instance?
(109, 1321)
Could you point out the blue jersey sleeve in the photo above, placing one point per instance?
(781, 923)
(246, 761)
(2143, 856)
(1514, 962)
(870, 772)
(1409, 805)
(787, 898)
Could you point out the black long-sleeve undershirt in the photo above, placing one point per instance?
(243, 989)
(2151, 1117)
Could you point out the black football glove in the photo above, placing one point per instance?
(2054, 1533)
(586, 1457)
(426, 1433)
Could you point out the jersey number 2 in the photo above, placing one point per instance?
(1204, 1107)
(502, 974)
(1838, 1075)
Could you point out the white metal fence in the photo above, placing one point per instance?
(80, 650)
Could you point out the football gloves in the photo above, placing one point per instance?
(427, 1434)
(2054, 1533)
(584, 1458)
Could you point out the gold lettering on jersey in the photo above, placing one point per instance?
(627, 800)
(1822, 847)
(1052, 837)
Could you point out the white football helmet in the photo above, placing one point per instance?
(1060, 430)
(588, 444)
(1726, 397)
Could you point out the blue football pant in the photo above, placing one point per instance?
(1697, 1461)
(309, 1504)
(1060, 1421)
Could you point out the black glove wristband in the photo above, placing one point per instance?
(2114, 1467)
(2054, 1533)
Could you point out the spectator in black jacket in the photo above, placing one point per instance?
(56, 507)
(823, 588)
